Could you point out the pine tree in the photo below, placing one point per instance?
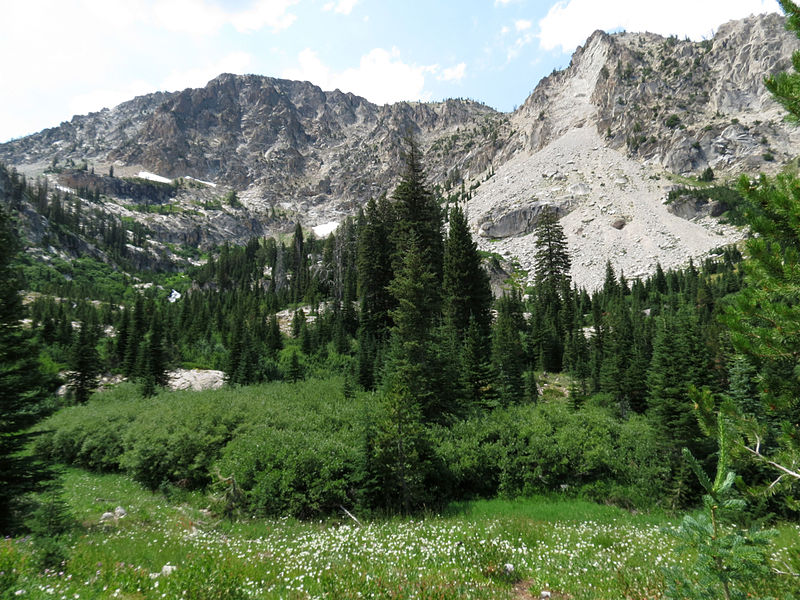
(22, 401)
(784, 86)
(411, 357)
(551, 253)
(274, 341)
(295, 371)
(417, 214)
(154, 367)
(84, 364)
(466, 293)
(300, 273)
(508, 356)
(374, 267)
(400, 465)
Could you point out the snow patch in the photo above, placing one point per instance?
(153, 177)
(208, 183)
(325, 229)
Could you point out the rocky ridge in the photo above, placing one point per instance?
(602, 141)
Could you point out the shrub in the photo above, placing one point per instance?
(535, 449)
(283, 472)
(706, 175)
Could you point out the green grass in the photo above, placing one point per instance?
(484, 549)
(553, 509)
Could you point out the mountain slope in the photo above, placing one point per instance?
(601, 140)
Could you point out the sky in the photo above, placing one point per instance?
(68, 57)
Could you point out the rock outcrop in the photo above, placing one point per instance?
(599, 141)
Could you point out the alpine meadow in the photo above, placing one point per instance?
(263, 341)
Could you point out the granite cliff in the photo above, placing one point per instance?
(603, 140)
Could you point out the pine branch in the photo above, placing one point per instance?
(757, 453)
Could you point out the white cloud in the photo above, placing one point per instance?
(264, 13)
(204, 18)
(522, 25)
(503, 2)
(454, 73)
(235, 62)
(343, 7)
(570, 22)
(108, 98)
(381, 76)
(514, 50)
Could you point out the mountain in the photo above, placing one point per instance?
(605, 140)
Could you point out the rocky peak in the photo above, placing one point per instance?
(597, 140)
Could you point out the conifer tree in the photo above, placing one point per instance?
(417, 214)
(466, 293)
(670, 405)
(298, 320)
(507, 351)
(551, 253)
(300, 272)
(136, 333)
(154, 363)
(274, 342)
(365, 359)
(22, 385)
(784, 85)
(295, 371)
(476, 369)
(617, 356)
(411, 355)
(374, 266)
(84, 364)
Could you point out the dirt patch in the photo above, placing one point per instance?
(522, 591)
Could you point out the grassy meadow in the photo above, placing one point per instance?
(480, 549)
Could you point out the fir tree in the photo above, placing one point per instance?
(417, 214)
(274, 341)
(300, 272)
(295, 371)
(507, 351)
(374, 266)
(411, 365)
(476, 369)
(84, 364)
(154, 370)
(466, 293)
(551, 253)
(23, 387)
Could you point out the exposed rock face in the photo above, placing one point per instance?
(196, 379)
(597, 141)
(689, 207)
(516, 221)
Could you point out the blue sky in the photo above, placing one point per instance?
(66, 57)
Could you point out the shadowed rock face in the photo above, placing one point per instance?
(518, 221)
(644, 104)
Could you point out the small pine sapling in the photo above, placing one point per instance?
(729, 561)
